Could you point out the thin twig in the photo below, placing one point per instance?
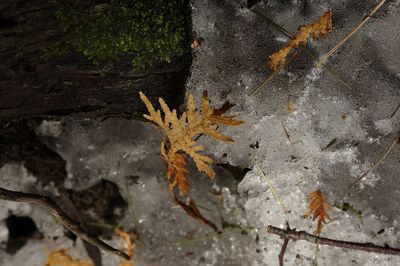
(302, 235)
(375, 165)
(395, 111)
(63, 218)
(271, 187)
(269, 78)
(92, 251)
(354, 30)
(283, 250)
(284, 246)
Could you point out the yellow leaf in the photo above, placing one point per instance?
(181, 134)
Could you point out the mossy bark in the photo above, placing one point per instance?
(31, 86)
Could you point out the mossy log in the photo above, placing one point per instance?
(32, 86)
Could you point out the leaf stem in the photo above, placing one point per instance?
(375, 165)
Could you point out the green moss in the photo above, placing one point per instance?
(145, 31)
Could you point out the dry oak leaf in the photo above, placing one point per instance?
(180, 134)
(319, 207)
(60, 257)
(319, 28)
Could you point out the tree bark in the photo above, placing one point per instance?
(31, 86)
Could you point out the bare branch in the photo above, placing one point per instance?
(302, 235)
(283, 250)
(63, 218)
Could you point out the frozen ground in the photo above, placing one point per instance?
(229, 65)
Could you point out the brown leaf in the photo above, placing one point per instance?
(319, 28)
(319, 208)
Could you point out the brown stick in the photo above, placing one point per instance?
(64, 219)
(283, 250)
(302, 235)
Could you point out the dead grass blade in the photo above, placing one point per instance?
(395, 111)
(271, 187)
(375, 165)
(352, 32)
(270, 77)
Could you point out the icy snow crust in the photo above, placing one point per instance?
(229, 65)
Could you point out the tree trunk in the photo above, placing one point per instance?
(31, 86)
